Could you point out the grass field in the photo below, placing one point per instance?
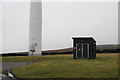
(34, 58)
(63, 66)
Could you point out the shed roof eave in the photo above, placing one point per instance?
(85, 37)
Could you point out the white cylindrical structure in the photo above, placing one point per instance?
(35, 27)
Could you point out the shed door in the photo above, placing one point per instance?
(82, 50)
(78, 50)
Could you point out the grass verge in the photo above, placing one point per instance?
(63, 66)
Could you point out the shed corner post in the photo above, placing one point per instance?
(73, 52)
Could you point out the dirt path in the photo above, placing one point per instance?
(10, 65)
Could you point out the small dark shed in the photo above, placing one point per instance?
(84, 47)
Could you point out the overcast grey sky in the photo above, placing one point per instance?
(61, 21)
(15, 22)
(0, 27)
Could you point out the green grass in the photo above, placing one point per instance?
(63, 66)
(33, 58)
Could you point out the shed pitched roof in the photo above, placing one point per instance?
(84, 38)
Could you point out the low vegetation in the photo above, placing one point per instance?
(34, 58)
(63, 66)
